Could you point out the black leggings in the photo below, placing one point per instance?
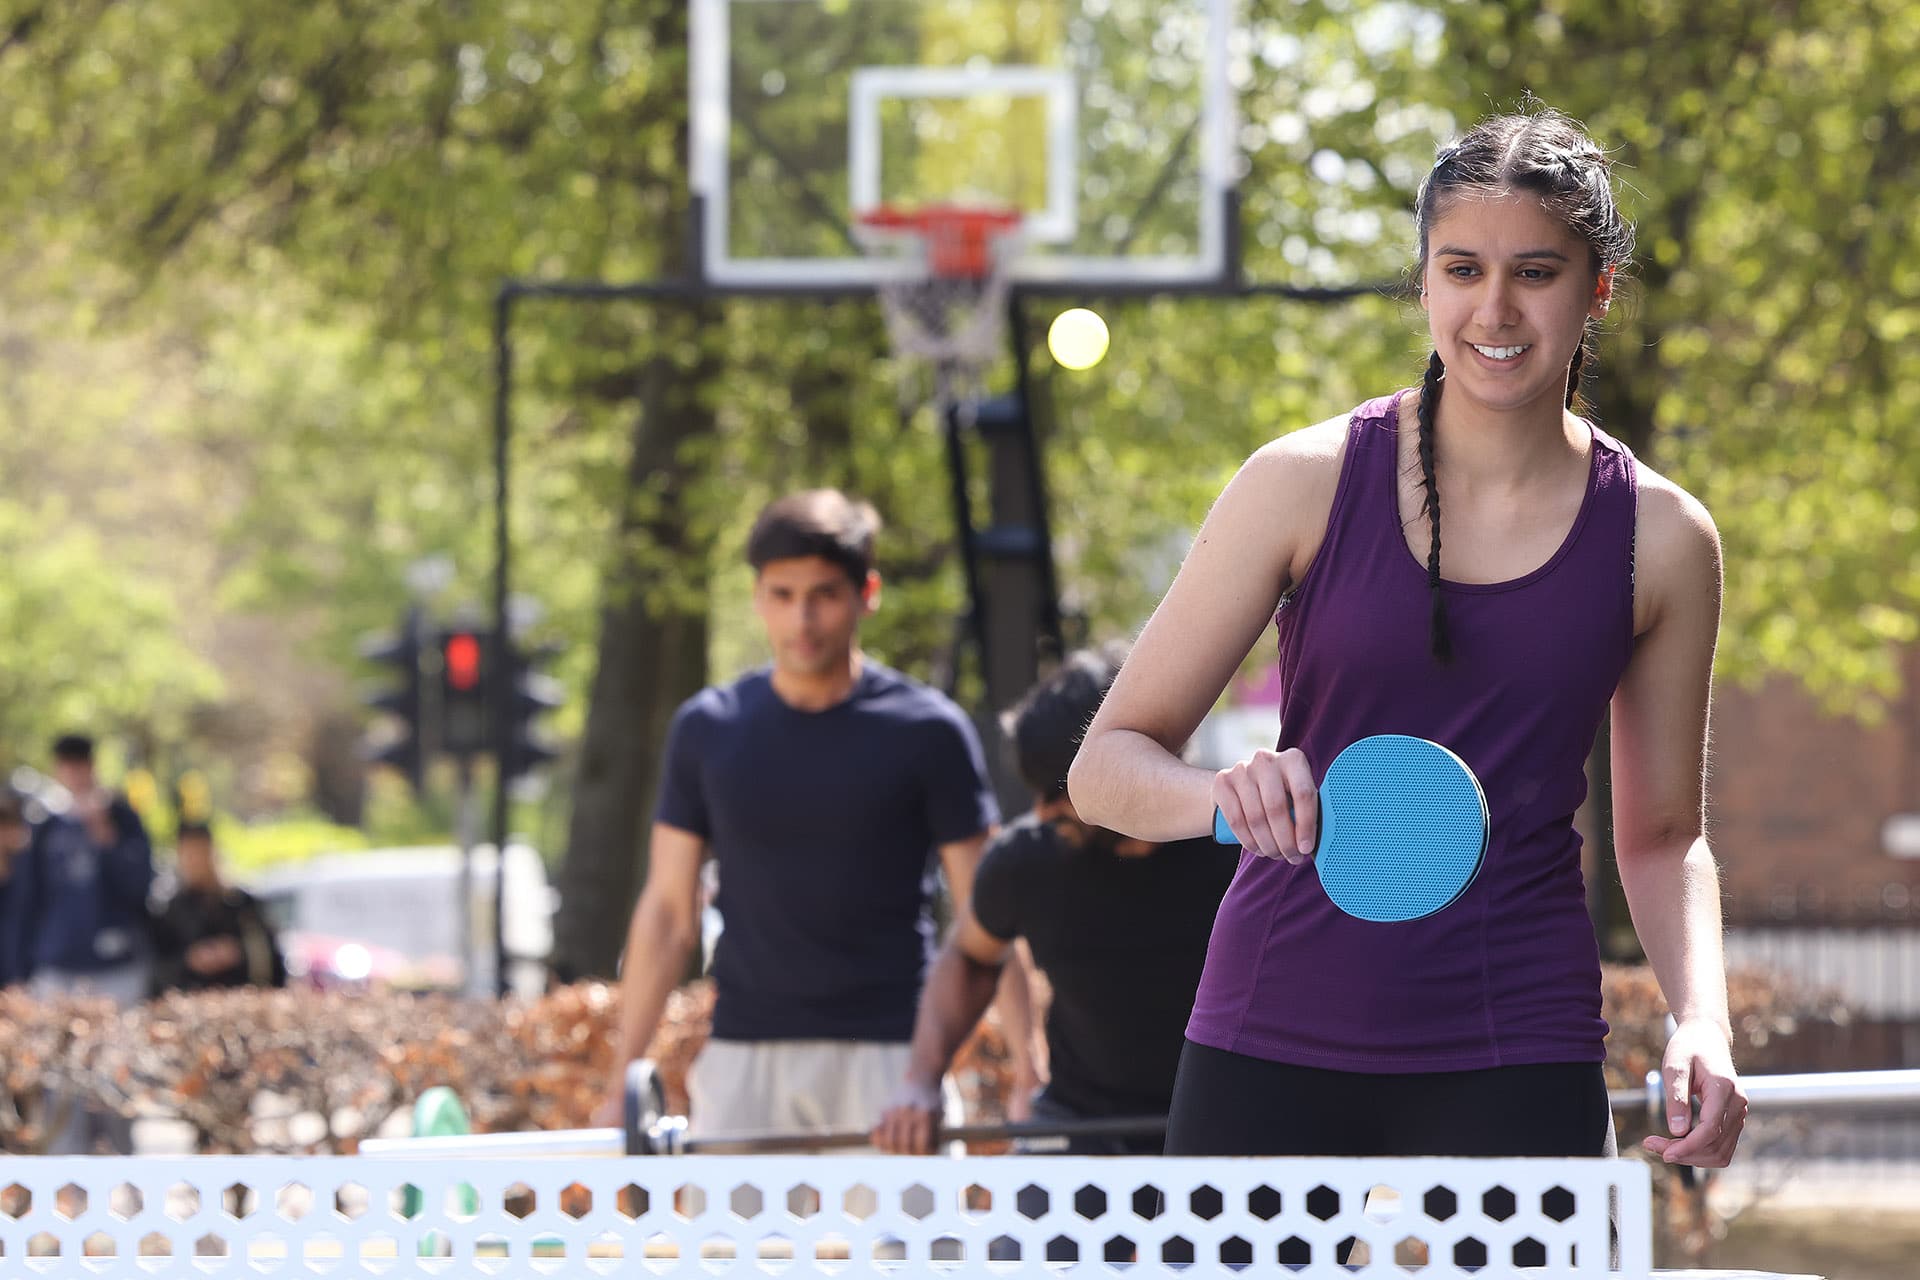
(1227, 1104)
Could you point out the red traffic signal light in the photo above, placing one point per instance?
(466, 679)
(462, 656)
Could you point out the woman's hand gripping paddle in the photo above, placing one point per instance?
(1403, 828)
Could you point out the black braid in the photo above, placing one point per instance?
(1573, 373)
(1547, 155)
(1429, 405)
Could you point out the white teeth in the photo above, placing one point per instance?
(1499, 353)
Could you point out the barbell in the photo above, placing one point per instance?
(647, 1129)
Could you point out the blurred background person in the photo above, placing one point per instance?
(208, 933)
(15, 889)
(91, 868)
(1119, 926)
(825, 787)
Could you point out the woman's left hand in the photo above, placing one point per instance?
(1699, 1063)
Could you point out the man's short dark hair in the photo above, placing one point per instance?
(1046, 726)
(12, 813)
(816, 522)
(74, 748)
(193, 831)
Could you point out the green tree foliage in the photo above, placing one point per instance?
(310, 210)
(1768, 152)
(97, 636)
(91, 644)
(369, 173)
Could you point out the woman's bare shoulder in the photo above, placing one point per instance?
(1671, 521)
(1676, 547)
(1305, 457)
(1292, 481)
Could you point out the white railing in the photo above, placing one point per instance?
(1894, 1091)
(857, 1215)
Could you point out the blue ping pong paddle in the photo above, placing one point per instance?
(1403, 828)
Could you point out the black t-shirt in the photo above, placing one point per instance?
(191, 917)
(824, 826)
(1122, 940)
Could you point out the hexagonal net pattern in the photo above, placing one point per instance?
(839, 1215)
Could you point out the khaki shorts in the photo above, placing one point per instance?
(758, 1086)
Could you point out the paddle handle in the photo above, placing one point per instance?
(1222, 833)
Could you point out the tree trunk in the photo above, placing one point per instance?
(653, 624)
(653, 655)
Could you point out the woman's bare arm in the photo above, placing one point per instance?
(1260, 535)
(1659, 799)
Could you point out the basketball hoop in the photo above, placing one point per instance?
(949, 311)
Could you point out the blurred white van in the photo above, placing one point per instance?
(389, 917)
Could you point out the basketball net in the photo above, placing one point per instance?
(948, 315)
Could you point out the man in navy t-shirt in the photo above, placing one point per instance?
(822, 786)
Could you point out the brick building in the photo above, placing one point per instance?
(1800, 804)
(1815, 819)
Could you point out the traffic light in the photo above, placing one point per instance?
(398, 745)
(465, 665)
(532, 694)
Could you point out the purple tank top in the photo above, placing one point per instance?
(1510, 973)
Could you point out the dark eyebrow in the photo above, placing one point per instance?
(1450, 251)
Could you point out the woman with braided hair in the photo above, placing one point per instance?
(1476, 563)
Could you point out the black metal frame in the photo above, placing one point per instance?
(1229, 284)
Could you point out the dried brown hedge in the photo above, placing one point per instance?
(354, 1059)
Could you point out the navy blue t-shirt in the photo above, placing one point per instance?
(89, 907)
(825, 826)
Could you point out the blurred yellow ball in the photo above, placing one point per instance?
(1077, 338)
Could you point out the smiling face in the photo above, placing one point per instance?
(1508, 288)
(812, 611)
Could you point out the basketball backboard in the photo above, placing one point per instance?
(1107, 123)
